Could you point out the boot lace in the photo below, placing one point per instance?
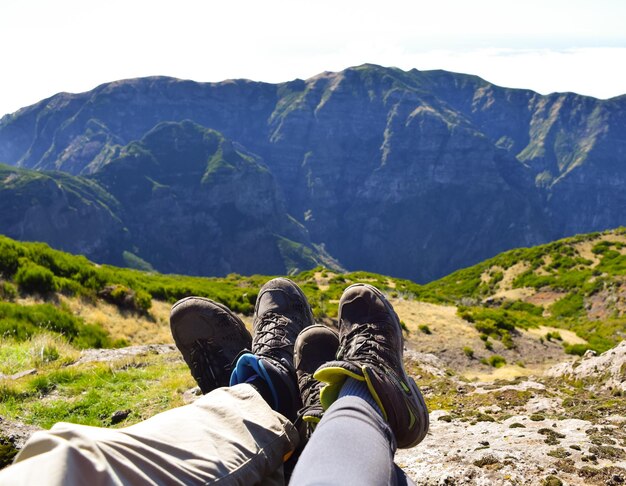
(274, 336)
(208, 364)
(365, 343)
(309, 390)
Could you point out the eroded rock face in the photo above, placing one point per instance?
(67, 212)
(413, 174)
(607, 370)
(183, 199)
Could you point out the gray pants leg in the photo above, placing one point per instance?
(229, 437)
(352, 445)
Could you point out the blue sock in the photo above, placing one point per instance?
(356, 388)
(249, 369)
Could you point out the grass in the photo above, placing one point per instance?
(47, 336)
(88, 394)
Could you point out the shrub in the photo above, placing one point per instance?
(9, 258)
(143, 300)
(507, 340)
(126, 298)
(35, 278)
(22, 322)
(404, 327)
(576, 349)
(496, 361)
(425, 329)
(569, 306)
(518, 305)
(8, 291)
(554, 335)
(7, 451)
(469, 352)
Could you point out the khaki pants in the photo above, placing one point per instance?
(229, 436)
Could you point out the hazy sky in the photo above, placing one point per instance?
(73, 45)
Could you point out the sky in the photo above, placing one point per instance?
(49, 46)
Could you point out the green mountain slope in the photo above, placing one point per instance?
(576, 285)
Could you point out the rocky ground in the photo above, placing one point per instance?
(564, 427)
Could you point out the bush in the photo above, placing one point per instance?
(554, 335)
(496, 361)
(22, 322)
(9, 259)
(8, 291)
(127, 298)
(404, 327)
(143, 300)
(507, 340)
(35, 278)
(469, 352)
(518, 305)
(576, 349)
(425, 329)
(569, 306)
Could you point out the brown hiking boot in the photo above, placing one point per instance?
(210, 337)
(371, 351)
(315, 346)
(281, 312)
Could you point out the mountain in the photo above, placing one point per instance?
(413, 174)
(182, 199)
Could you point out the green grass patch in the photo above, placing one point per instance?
(91, 393)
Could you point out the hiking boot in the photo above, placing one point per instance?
(315, 346)
(281, 312)
(210, 337)
(371, 351)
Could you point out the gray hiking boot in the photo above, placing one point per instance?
(371, 351)
(210, 337)
(281, 312)
(315, 346)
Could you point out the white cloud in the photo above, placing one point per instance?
(74, 45)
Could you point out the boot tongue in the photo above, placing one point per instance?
(272, 301)
(364, 308)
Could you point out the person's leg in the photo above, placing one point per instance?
(231, 435)
(371, 402)
(228, 436)
(352, 445)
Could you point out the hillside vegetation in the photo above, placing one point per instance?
(509, 316)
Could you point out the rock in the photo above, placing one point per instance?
(590, 353)
(515, 455)
(90, 355)
(119, 415)
(21, 374)
(428, 362)
(191, 395)
(605, 370)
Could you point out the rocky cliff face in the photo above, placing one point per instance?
(182, 199)
(68, 212)
(413, 174)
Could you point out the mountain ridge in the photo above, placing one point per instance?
(371, 157)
